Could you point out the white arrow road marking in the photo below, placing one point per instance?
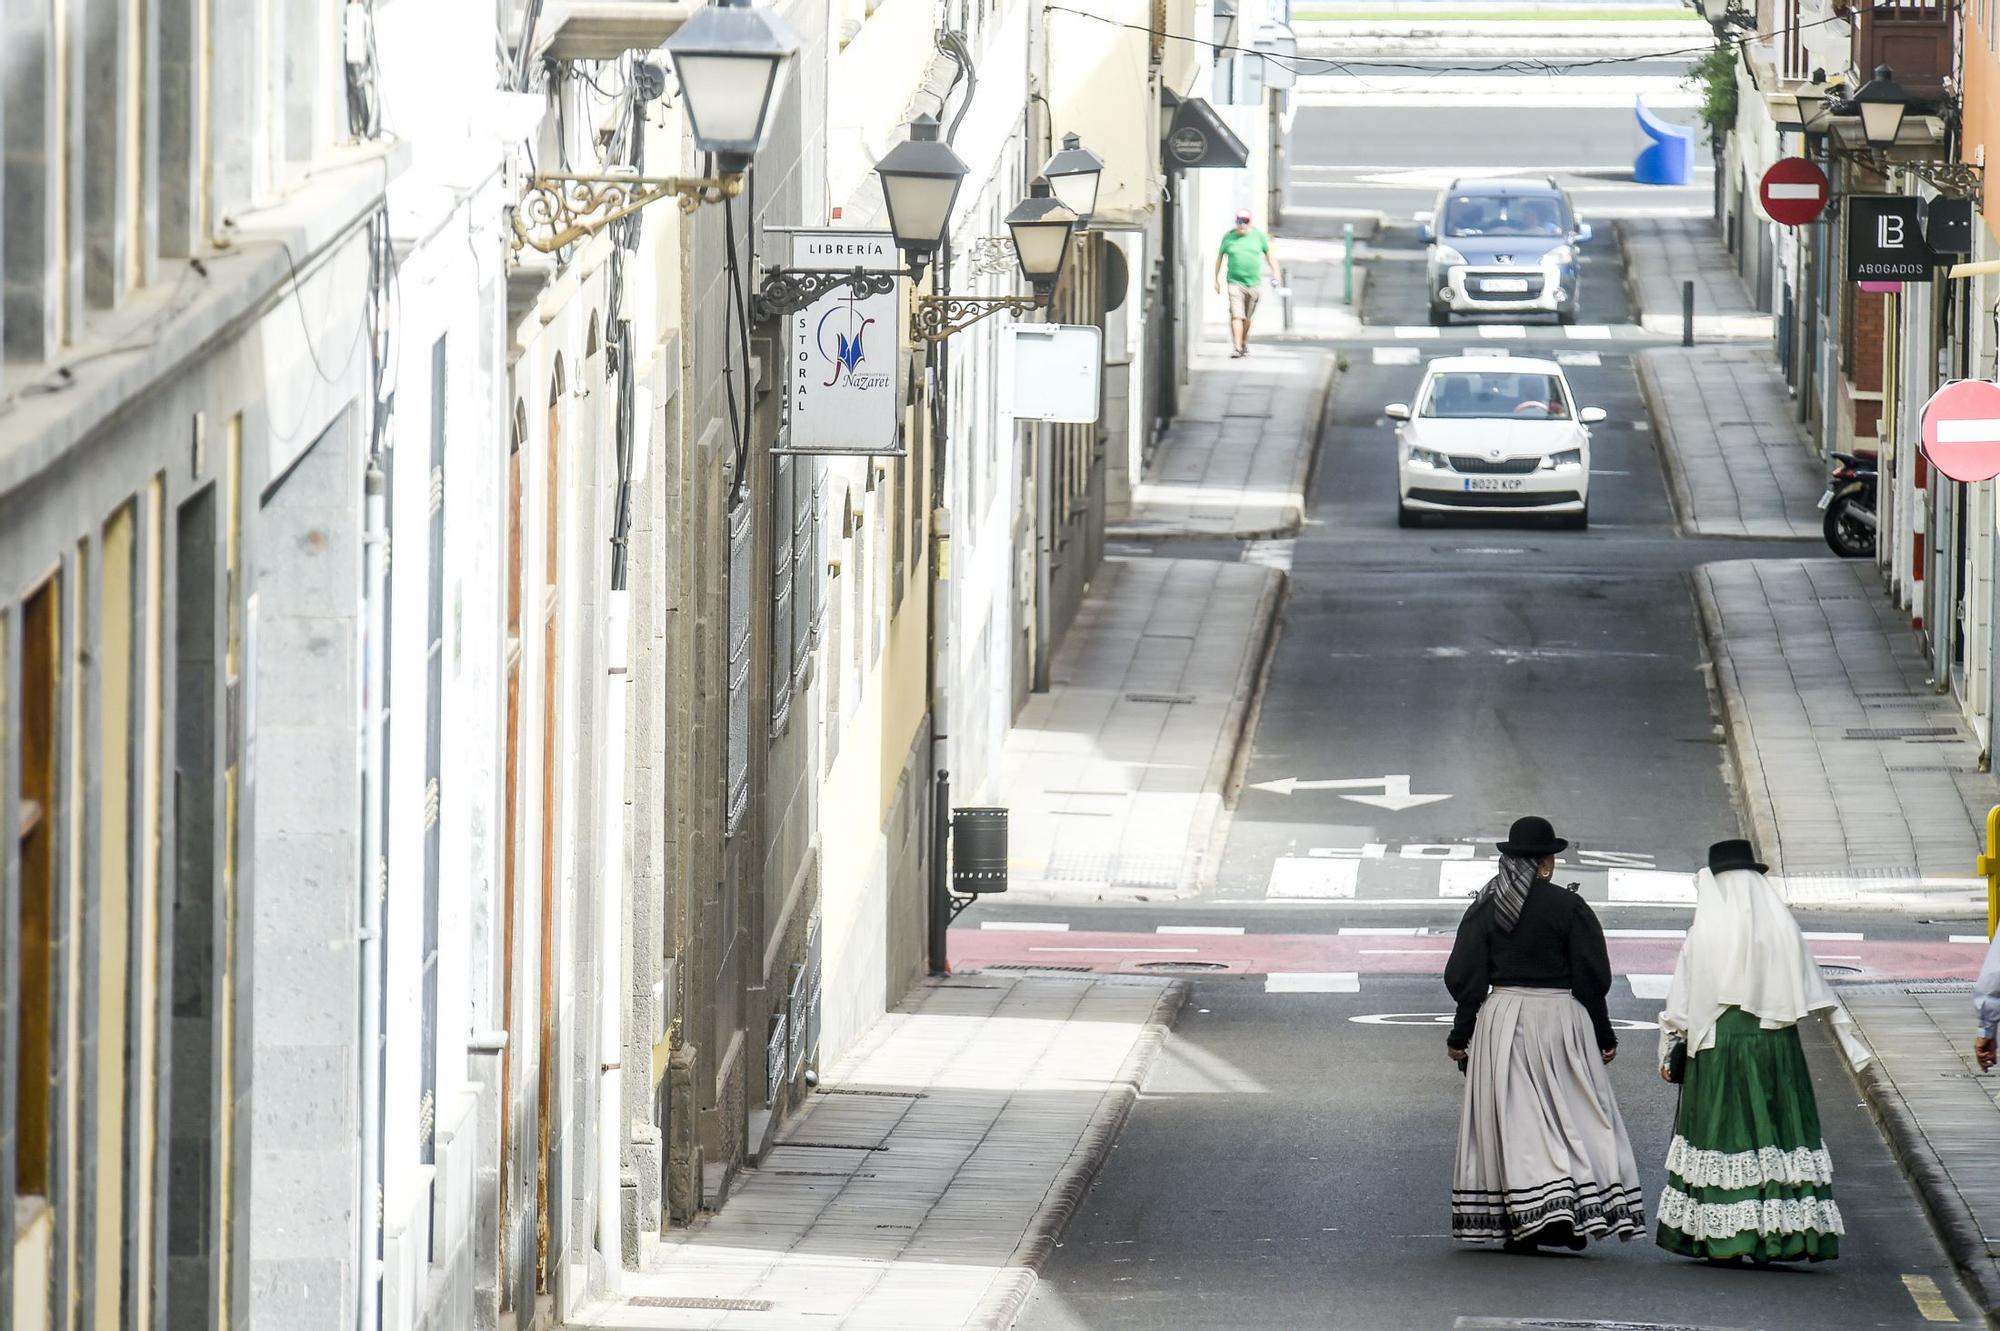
(1395, 794)
(1312, 982)
(1984, 430)
(1650, 986)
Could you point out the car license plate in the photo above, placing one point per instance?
(1824, 500)
(1506, 284)
(1493, 483)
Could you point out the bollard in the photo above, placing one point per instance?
(1987, 866)
(1347, 263)
(1687, 314)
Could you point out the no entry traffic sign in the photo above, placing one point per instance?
(1961, 430)
(1793, 191)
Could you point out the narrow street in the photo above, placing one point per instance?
(1288, 1163)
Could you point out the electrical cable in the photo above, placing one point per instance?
(1310, 65)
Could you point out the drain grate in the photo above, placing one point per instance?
(886, 1095)
(1183, 966)
(1834, 971)
(1168, 698)
(1901, 732)
(1017, 966)
(700, 1301)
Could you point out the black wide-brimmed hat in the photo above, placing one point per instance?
(1532, 838)
(1737, 854)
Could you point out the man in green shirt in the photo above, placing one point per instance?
(1245, 254)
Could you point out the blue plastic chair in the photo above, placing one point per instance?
(1669, 159)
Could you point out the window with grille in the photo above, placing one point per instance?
(784, 581)
(740, 569)
(433, 765)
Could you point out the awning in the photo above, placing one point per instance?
(1197, 138)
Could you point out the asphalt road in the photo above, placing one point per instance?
(1288, 1164)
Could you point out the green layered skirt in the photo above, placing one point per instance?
(1748, 1173)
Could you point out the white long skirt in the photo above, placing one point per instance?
(1540, 1139)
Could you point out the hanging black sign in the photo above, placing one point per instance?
(1885, 239)
(1198, 138)
(1948, 226)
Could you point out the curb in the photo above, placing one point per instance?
(1752, 791)
(1303, 470)
(1951, 1219)
(1226, 769)
(1667, 442)
(1009, 1292)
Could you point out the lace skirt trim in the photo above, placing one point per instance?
(1721, 1220)
(1731, 1170)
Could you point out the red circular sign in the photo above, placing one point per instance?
(1794, 191)
(1961, 430)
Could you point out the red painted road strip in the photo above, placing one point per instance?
(1258, 954)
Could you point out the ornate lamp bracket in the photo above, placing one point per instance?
(560, 210)
(788, 290)
(936, 318)
(1955, 180)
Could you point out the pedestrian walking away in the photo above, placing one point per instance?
(1986, 1003)
(1240, 265)
(1748, 1174)
(1543, 1155)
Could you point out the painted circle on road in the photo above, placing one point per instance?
(1961, 430)
(1793, 191)
(1445, 1019)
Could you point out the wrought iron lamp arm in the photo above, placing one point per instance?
(788, 290)
(936, 318)
(560, 210)
(1958, 180)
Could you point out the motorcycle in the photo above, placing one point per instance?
(1849, 505)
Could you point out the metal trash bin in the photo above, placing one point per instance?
(978, 851)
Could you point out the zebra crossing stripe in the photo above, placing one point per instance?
(1649, 986)
(1463, 878)
(1226, 930)
(1308, 878)
(1312, 982)
(1651, 885)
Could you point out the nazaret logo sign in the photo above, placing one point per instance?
(841, 364)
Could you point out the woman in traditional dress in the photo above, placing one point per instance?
(1543, 1158)
(1748, 1173)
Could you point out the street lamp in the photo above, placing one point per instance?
(920, 179)
(1073, 174)
(1225, 24)
(1042, 226)
(1881, 103)
(1811, 99)
(731, 60)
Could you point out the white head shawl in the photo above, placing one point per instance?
(1744, 950)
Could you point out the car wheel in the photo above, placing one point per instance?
(1578, 521)
(1440, 315)
(1566, 317)
(1408, 517)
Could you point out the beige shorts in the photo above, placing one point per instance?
(1242, 300)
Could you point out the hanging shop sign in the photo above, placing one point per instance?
(1948, 226)
(1960, 430)
(1051, 372)
(842, 351)
(1885, 239)
(1198, 139)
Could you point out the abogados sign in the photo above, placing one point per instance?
(1885, 239)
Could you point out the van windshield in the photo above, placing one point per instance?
(1503, 215)
(1475, 394)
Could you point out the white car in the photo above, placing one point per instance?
(1493, 434)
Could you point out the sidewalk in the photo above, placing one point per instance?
(1118, 774)
(1738, 462)
(925, 1184)
(1663, 252)
(1941, 1118)
(1858, 780)
(1236, 461)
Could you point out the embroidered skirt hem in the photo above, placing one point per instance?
(1541, 1144)
(1748, 1174)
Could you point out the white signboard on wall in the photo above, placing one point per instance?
(840, 364)
(1051, 372)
